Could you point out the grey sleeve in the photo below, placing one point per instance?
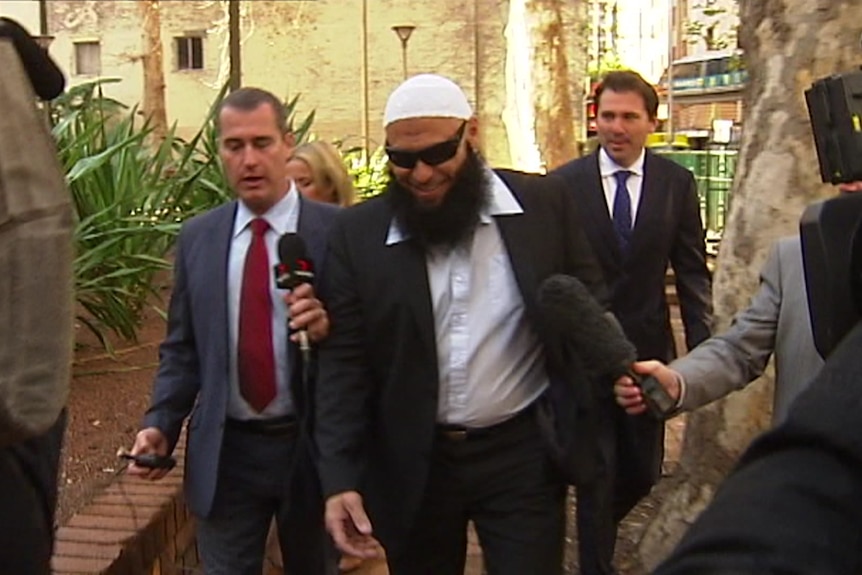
(730, 360)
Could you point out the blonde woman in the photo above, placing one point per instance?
(319, 173)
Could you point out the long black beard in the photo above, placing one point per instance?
(454, 220)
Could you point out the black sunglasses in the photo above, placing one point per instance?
(430, 156)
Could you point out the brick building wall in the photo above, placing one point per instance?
(315, 48)
(699, 116)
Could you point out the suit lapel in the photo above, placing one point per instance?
(516, 238)
(605, 243)
(218, 250)
(651, 204)
(409, 260)
(312, 230)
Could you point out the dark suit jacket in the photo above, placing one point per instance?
(193, 359)
(378, 386)
(667, 230)
(793, 506)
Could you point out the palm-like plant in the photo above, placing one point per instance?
(131, 195)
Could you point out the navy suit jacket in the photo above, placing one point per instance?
(667, 230)
(193, 359)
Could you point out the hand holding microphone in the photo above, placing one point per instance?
(295, 272)
(629, 395)
(598, 340)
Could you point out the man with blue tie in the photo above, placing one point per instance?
(230, 360)
(641, 213)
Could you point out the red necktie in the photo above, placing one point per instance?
(255, 355)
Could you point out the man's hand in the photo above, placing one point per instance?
(349, 526)
(306, 312)
(629, 396)
(149, 440)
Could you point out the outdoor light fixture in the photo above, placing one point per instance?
(44, 41)
(403, 31)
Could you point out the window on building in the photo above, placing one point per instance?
(88, 58)
(190, 52)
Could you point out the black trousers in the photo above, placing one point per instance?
(262, 476)
(631, 451)
(503, 481)
(28, 500)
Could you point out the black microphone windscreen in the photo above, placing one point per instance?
(291, 248)
(570, 311)
(45, 77)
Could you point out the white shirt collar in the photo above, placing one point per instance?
(608, 167)
(283, 217)
(502, 203)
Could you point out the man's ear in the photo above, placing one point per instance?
(289, 140)
(471, 132)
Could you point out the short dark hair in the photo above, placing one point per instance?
(248, 99)
(630, 81)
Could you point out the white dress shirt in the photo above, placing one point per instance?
(490, 360)
(282, 218)
(607, 169)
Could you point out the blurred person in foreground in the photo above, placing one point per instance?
(437, 379)
(36, 305)
(793, 505)
(231, 363)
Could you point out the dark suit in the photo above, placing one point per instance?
(667, 230)
(378, 389)
(793, 506)
(194, 357)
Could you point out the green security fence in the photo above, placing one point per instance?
(713, 171)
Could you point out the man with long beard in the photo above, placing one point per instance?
(434, 398)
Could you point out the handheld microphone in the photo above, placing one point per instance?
(45, 77)
(293, 269)
(571, 312)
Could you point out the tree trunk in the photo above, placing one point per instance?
(234, 50)
(788, 44)
(541, 89)
(154, 74)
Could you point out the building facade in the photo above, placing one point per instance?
(341, 57)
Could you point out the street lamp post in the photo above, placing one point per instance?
(44, 42)
(403, 31)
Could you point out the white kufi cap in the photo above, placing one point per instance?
(427, 96)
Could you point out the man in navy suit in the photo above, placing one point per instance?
(641, 214)
(230, 363)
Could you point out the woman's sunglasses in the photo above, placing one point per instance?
(430, 156)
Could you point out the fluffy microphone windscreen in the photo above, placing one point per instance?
(573, 314)
(291, 248)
